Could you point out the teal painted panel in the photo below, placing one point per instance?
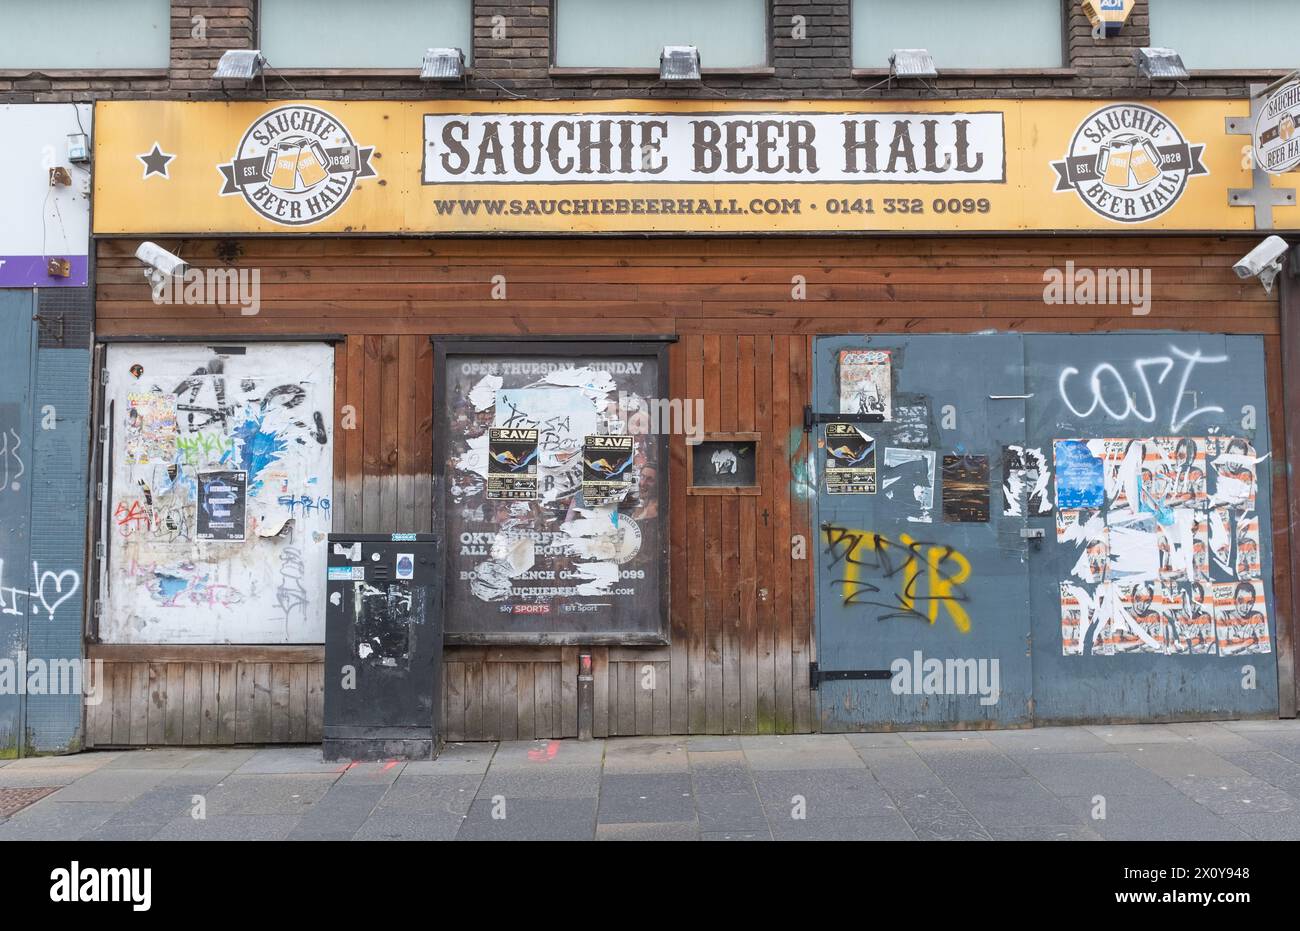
(17, 334)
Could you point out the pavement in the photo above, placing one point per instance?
(1224, 781)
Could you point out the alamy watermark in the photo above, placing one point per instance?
(668, 416)
(921, 676)
(231, 287)
(1119, 286)
(34, 675)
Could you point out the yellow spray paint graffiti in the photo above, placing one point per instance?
(922, 576)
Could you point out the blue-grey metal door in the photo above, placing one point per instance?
(922, 585)
(18, 335)
(1153, 600)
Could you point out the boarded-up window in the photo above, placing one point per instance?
(218, 492)
(554, 502)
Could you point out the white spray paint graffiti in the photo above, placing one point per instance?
(1145, 411)
(49, 590)
(10, 461)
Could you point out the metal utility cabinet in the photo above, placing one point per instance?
(383, 646)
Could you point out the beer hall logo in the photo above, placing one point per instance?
(1129, 163)
(296, 165)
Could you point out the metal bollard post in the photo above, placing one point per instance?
(586, 696)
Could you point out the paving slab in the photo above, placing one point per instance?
(455, 759)
(340, 813)
(410, 826)
(229, 827)
(1285, 743)
(875, 741)
(1037, 741)
(633, 755)
(730, 811)
(373, 772)
(1283, 826)
(736, 835)
(880, 827)
(290, 760)
(1009, 802)
(1041, 832)
(900, 767)
(836, 755)
(1076, 774)
(822, 794)
(645, 798)
(1237, 795)
(554, 753)
(1267, 765)
(681, 830)
(704, 744)
(1180, 761)
(531, 819)
(958, 761)
(268, 794)
(937, 814)
(567, 782)
(147, 758)
(1173, 817)
(51, 820)
(119, 786)
(433, 794)
(1134, 733)
(1213, 736)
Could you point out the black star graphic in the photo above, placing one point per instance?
(155, 162)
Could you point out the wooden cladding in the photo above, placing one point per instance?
(745, 312)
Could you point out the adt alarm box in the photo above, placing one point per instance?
(383, 646)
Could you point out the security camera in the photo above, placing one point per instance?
(160, 266)
(1264, 261)
(160, 260)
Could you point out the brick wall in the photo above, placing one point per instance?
(818, 66)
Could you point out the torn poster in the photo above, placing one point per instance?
(1171, 562)
(850, 460)
(1026, 480)
(1234, 464)
(911, 421)
(512, 464)
(222, 507)
(1079, 476)
(561, 417)
(606, 468)
(484, 394)
(866, 388)
(1240, 619)
(966, 489)
(908, 478)
(150, 428)
(1183, 470)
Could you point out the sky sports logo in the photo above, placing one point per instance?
(80, 883)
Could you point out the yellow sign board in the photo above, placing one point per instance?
(622, 166)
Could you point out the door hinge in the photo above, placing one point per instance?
(99, 550)
(99, 491)
(99, 608)
(817, 676)
(808, 428)
(103, 376)
(103, 433)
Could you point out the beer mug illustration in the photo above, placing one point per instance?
(1113, 163)
(1145, 162)
(312, 164)
(281, 166)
